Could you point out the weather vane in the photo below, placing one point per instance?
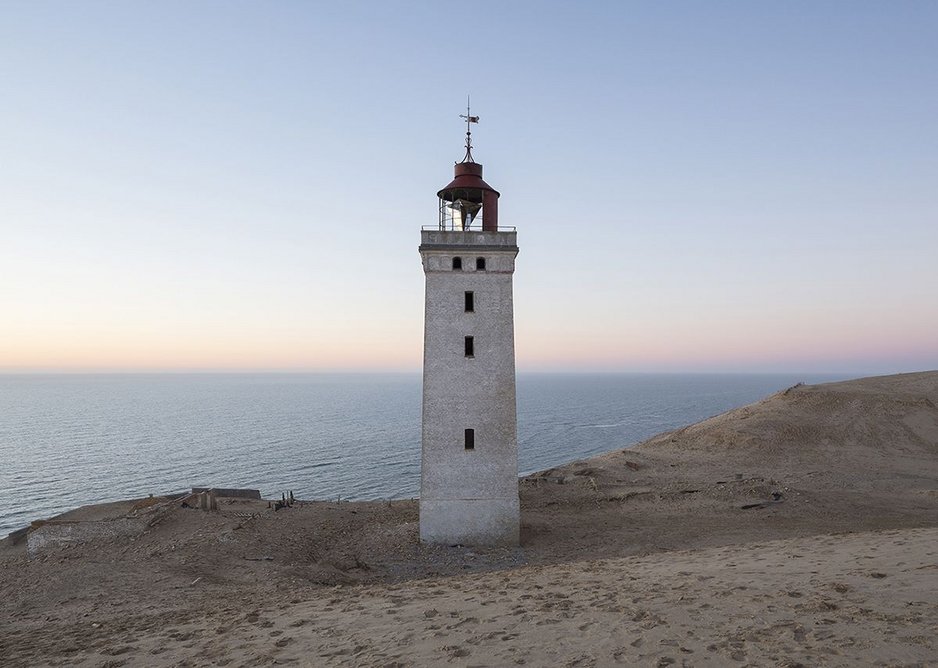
(469, 120)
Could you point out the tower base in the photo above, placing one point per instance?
(470, 521)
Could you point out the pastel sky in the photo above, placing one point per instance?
(697, 186)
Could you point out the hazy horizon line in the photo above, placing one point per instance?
(379, 371)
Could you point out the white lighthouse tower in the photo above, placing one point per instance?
(469, 464)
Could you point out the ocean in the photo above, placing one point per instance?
(70, 440)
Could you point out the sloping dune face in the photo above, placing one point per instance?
(859, 455)
(852, 423)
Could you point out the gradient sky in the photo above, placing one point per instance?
(697, 186)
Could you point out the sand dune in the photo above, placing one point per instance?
(848, 422)
(800, 530)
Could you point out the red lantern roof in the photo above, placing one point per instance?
(468, 177)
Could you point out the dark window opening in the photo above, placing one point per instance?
(470, 439)
(457, 263)
(470, 302)
(480, 263)
(469, 346)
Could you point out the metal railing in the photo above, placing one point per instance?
(474, 228)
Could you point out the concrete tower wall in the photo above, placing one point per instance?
(469, 496)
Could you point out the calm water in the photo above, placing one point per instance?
(68, 440)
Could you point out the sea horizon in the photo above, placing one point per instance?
(382, 372)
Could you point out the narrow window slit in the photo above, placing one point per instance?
(470, 345)
(470, 439)
(470, 302)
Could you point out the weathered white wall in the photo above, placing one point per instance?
(469, 496)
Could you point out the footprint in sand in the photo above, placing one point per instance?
(455, 651)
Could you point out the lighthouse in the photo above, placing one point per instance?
(469, 455)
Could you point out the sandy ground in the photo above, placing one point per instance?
(800, 530)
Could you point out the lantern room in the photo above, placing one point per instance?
(468, 202)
